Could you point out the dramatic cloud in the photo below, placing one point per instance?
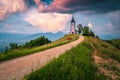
(59, 6)
(7, 7)
(115, 21)
(16, 24)
(55, 15)
(47, 22)
(70, 6)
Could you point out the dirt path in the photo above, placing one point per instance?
(17, 68)
(107, 66)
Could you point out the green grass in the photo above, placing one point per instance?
(75, 64)
(22, 52)
(114, 42)
(105, 50)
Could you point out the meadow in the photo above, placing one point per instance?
(105, 50)
(75, 64)
(26, 51)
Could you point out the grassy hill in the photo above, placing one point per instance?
(115, 42)
(90, 60)
(107, 58)
(26, 51)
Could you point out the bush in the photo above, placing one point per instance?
(37, 42)
(88, 32)
(115, 42)
(85, 31)
(13, 45)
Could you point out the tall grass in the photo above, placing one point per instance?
(26, 51)
(76, 64)
(105, 50)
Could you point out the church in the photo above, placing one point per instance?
(72, 26)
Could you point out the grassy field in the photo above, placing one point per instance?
(109, 62)
(22, 52)
(105, 50)
(114, 42)
(76, 64)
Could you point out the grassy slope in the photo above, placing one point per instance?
(109, 63)
(115, 42)
(22, 52)
(105, 50)
(76, 64)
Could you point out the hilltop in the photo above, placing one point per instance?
(33, 46)
(22, 66)
(90, 60)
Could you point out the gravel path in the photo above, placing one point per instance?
(17, 68)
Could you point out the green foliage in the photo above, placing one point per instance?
(97, 37)
(115, 42)
(91, 33)
(88, 32)
(37, 42)
(76, 64)
(80, 28)
(85, 31)
(105, 50)
(6, 50)
(26, 51)
(13, 45)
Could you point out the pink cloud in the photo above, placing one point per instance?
(47, 22)
(55, 6)
(11, 6)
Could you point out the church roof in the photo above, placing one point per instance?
(72, 19)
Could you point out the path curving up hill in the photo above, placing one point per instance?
(17, 68)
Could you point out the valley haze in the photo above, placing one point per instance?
(7, 38)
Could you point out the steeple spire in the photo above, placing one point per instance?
(73, 29)
(72, 19)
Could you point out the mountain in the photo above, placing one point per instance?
(7, 38)
(49, 35)
(108, 37)
(11, 36)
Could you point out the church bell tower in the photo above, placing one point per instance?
(73, 29)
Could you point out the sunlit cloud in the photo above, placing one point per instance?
(7, 7)
(47, 22)
(90, 25)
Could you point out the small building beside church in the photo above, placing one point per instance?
(73, 26)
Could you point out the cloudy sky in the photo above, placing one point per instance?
(35, 16)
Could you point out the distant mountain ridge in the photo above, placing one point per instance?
(51, 36)
(108, 37)
(6, 38)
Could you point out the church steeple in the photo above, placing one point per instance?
(73, 20)
(73, 29)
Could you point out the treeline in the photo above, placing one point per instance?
(33, 43)
(115, 42)
(37, 42)
(85, 31)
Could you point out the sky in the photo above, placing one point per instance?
(36, 16)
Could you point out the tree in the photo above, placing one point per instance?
(80, 27)
(37, 42)
(6, 49)
(97, 37)
(91, 33)
(13, 45)
(85, 31)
